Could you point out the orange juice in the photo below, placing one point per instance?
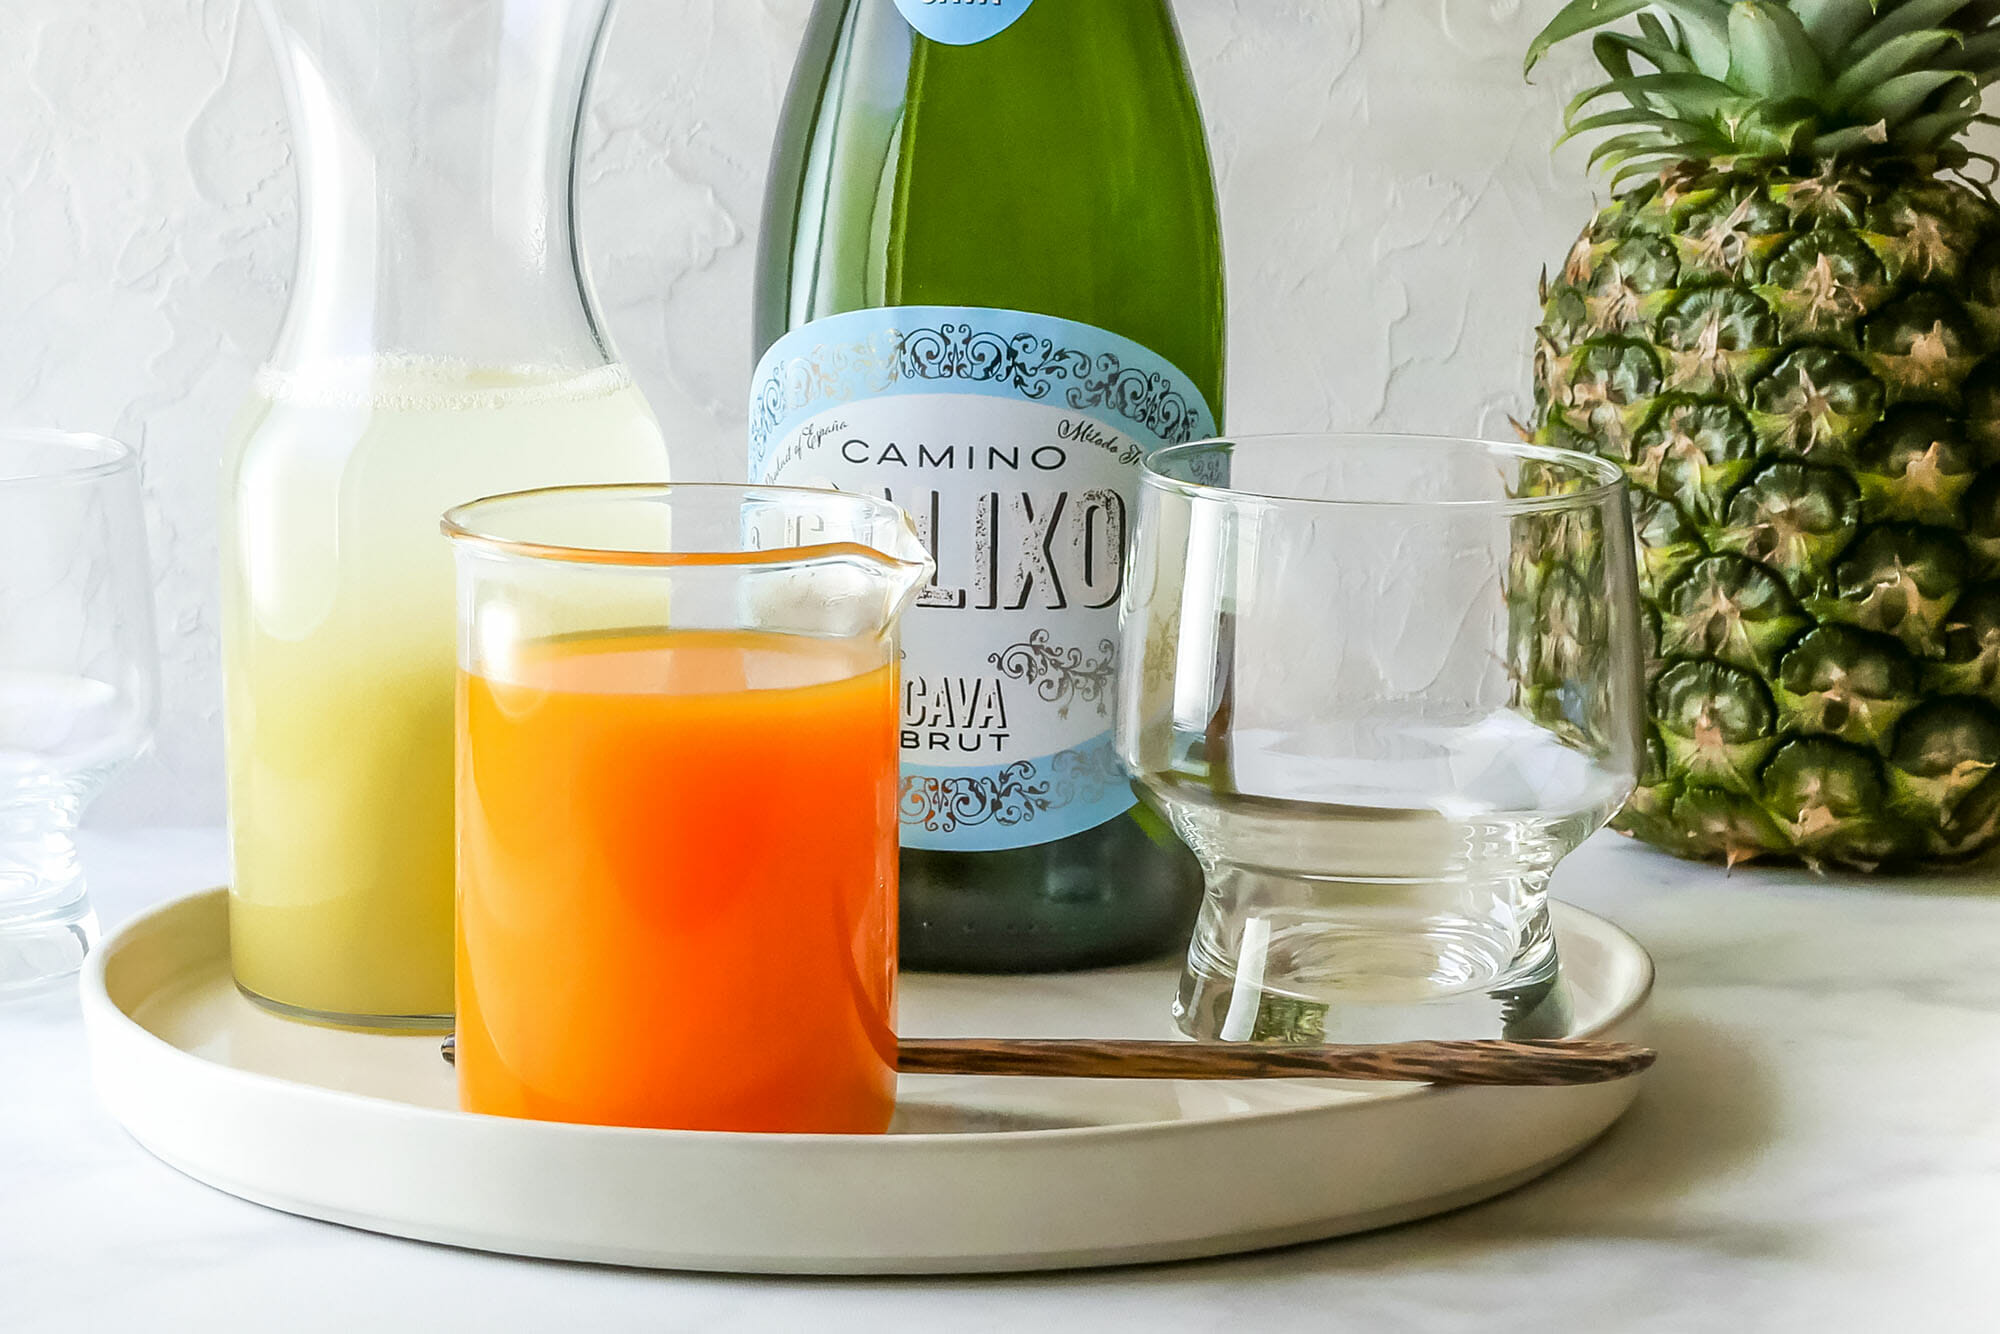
(677, 883)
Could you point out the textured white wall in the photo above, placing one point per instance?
(1387, 187)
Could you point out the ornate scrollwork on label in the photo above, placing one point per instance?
(1015, 795)
(1032, 366)
(1139, 396)
(1024, 363)
(944, 804)
(1162, 645)
(1060, 676)
(1086, 776)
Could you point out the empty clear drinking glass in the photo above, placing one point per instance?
(1381, 685)
(77, 679)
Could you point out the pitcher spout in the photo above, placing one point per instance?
(906, 564)
(858, 559)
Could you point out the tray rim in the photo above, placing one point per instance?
(98, 1004)
(940, 1265)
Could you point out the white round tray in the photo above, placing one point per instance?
(977, 1174)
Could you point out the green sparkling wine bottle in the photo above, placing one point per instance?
(989, 282)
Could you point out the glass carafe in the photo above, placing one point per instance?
(441, 344)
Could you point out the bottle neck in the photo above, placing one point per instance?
(1093, 198)
(436, 151)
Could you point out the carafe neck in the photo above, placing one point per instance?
(436, 149)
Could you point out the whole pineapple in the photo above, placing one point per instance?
(1788, 333)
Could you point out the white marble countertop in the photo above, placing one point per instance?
(1818, 1149)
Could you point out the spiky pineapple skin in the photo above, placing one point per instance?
(1800, 377)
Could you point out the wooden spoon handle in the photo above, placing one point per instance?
(1513, 1064)
(1518, 1064)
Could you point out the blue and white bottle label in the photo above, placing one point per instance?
(1014, 441)
(962, 22)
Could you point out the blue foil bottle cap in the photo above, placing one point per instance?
(962, 22)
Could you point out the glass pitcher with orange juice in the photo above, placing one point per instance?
(677, 774)
(441, 344)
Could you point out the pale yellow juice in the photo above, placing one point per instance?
(339, 655)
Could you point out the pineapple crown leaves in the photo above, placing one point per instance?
(1781, 80)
